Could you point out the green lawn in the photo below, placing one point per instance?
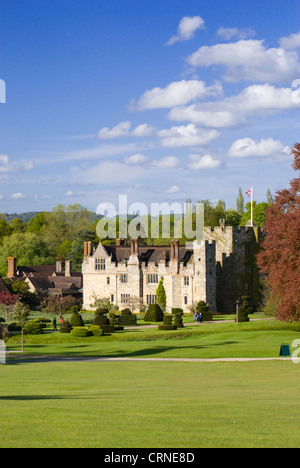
(147, 404)
(154, 404)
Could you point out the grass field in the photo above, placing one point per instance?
(154, 404)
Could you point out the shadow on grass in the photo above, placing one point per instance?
(77, 355)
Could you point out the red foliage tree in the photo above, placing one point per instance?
(279, 258)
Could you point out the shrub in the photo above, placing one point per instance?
(81, 332)
(74, 309)
(167, 323)
(96, 330)
(126, 312)
(76, 320)
(244, 310)
(178, 321)
(154, 314)
(176, 311)
(202, 308)
(127, 320)
(66, 328)
(32, 328)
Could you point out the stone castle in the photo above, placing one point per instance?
(218, 270)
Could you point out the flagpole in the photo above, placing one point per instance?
(251, 206)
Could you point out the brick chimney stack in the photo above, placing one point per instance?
(12, 267)
(68, 268)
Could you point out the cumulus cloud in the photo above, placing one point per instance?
(229, 33)
(234, 110)
(187, 28)
(290, 42)
(177, 94)
(135, 159)
(265, 148)
(7, 166)
(122, 129)
(249, 60)
(169, 162)
(17, 196)
(173, 189)
(203, 162)
(188, 135)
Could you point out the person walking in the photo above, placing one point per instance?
(196, 316)
(54, 324)
(200, 317)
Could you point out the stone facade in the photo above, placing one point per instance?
(119, 273)
(218, 270)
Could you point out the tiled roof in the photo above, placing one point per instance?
(147, 253)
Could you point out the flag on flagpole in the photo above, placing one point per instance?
(249, 192)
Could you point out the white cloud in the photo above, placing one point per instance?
(249, 60)
(69, 193)
(229, 33)
(173, 189)
(203, 162)
(7, 166)
(188, 135)
(135, 159)
(187, 28)
(122, 129)
(169, 162)
(17, 196)
(290, 42)
(177, 94)
(234, 110)
(265, 148)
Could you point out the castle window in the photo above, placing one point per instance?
(108, 280)
(125, 298)
(185, 300)
(112, 298)
(186, 280)
(152, 279)
(100, 264)
(151, 299)
(123, 278)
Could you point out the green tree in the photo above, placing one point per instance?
(259, 213)
(240, 202)
(233, 218)
(17, 225)
(161, 295)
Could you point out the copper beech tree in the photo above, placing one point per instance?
(279, 258)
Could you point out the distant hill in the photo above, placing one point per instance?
(25, 217)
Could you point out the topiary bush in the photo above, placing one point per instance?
(154, 314)
(167, 323)
(127, 318)
(96, 330)
(66, 328)
(202, 308)
(102, 321)
(244, 310)
(178, 321)
(81, 332)
(32, 328)
(76, 320)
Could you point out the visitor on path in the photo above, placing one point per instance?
(200, 317)
(54, 324)
(61, 322)
(196, 317)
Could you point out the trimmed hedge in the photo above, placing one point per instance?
(207, 315)
(32, 328)
(66, 328)
(154, 314)
(96, 330)
(81, 332)
(76, 320)
(167, 323)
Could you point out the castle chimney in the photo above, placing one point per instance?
(85, 249)
(68, 268)
(89, 248)
(132, 247)
(58, 266)
(12, 267)
(172, 250)
(136, 246)
(176, 248)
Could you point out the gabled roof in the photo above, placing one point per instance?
(147, 253)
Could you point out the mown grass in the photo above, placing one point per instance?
(147, 404)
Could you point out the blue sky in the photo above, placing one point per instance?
(159, 100)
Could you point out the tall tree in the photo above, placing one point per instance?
(279, 259)
(240, 202)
